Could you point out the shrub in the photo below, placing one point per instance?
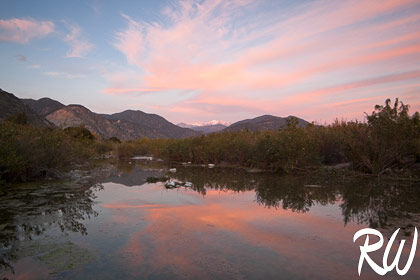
(388, 138)
(19, 118)
(79, 132)
(114, 140)
(28, 152)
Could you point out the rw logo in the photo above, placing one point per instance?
(386, 267)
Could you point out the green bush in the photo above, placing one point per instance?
(129, 149)
(390, 138)
(19, 118)
(28, 152)
(79, 132)
(114, 140)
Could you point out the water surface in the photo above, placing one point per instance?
(229, 224)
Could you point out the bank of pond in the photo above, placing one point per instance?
(388, 143)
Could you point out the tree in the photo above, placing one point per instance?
(393, 135)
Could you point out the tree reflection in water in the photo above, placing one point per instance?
(377, 203)
(382, 204)
(28, 211)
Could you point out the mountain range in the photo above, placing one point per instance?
(204, 128)
(10, 105)
(129, 124)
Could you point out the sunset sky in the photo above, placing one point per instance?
(196, 61)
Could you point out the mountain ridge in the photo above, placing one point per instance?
(153, 122)
(265, 122)
(11, 106)
(43, 106)
(206, 129)
(128, 124)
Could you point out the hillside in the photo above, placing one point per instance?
(129, 124)
(151, 125)
(43, 106)
(10, 105)
(206, 129)
(125, 125)
(75, 115)
(265, 122)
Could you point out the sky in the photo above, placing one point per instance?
(197, 61)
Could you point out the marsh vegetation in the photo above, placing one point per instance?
(388, 142)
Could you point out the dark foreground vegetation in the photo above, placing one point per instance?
(388, 142)
(30, 152)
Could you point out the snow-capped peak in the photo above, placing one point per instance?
(212, 122)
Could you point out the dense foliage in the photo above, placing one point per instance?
(28, 152)
(389, 139)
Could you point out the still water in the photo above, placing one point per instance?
(227, 224)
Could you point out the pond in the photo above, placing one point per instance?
(225, 223)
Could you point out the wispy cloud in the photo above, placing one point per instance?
(130, 90)
(130, 41)
(64, 75)
(34, 66)
(23, 30)
(20, 57)
(96, 7)
(254, 56)
(79, 45)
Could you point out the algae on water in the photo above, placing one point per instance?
(66, 256)
(59, 257)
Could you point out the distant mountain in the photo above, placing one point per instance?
(43, 106)
(75, 115)
(185, 125)
(129, 124)
(10, 105)
(265, 122)
(206, 129)
(125, 125)
(154, 126)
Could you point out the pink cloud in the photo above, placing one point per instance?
(130, 41)
(310, 98)
(79, 45)
(130, 90)
(316, 94)
(354, 101)
(23, 30)
(21, 57)
(237, 65)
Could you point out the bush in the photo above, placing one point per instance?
(129, 149)
(19, 118)
(28, 152)
(79, 132)
(389, 138)
(114, 140)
